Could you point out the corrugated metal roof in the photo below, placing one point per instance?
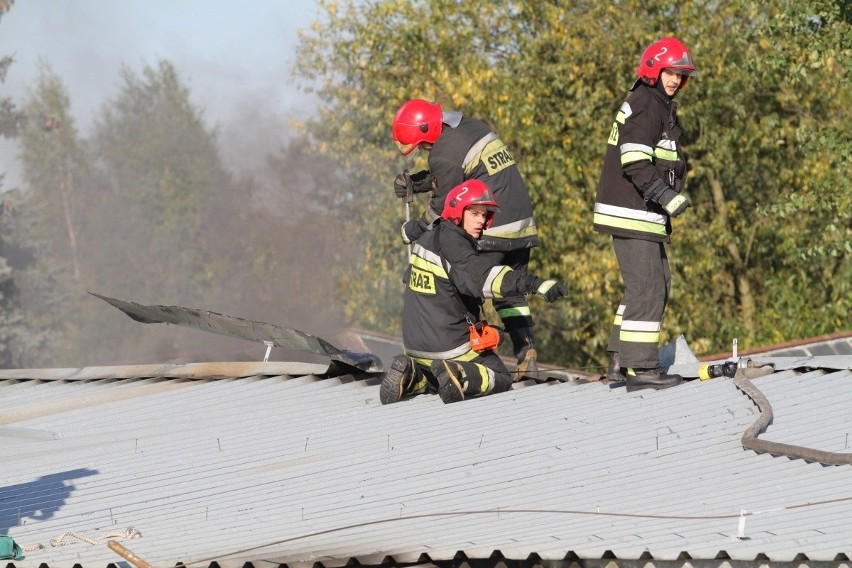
(302, 470)
(839, 343)
(839, 346)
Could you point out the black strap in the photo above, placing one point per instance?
(471, 319)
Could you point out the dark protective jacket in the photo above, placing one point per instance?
(434, 324)
(642, 149)
(468, 149)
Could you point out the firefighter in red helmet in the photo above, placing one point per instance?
(638, 194)
(460, 149)
(417, 122)
(446, 341)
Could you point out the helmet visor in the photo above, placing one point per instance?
(687, 71)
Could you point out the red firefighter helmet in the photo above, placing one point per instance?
(666, 53)
(416, 121)
(466, 194)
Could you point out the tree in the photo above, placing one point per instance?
(160, 172)
(158, 190)
(770, 164)
(10, 118)
(47, 222)
(551, 76)
(10, 315)
(53, 161)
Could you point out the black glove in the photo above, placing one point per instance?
(411, 230)
(400, 185)
(419, 182)
(673, 202)
(550, 290)
(422, 181)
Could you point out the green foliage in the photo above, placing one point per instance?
(762, 255)
(31, 330)
(47, 220)
(10, 314)
(770, 177)
(10, 118)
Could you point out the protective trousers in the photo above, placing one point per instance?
(485, 374)
(636, 329)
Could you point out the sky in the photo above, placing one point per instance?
(235, 57)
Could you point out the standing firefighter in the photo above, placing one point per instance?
(638, 194)
(448, 347)
(463, 148)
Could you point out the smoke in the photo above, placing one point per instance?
(228, 54)
(235, 60)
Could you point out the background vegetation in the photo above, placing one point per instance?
(145, 209)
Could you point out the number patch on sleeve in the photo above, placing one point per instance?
(613, 135)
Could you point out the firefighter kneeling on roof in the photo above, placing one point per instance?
(448, 347)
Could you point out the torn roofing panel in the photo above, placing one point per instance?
(270, 334)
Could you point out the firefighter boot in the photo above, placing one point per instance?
(404, 378)
(523, 346)
(656, 379)
(613, 370)
(452, 381)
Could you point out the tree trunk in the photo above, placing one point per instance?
(67, 190)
